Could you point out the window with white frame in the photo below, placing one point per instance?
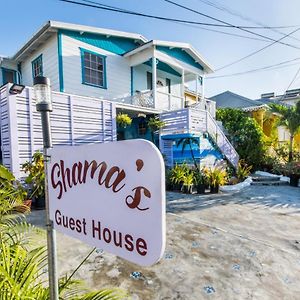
(93, 69)
(37, 66)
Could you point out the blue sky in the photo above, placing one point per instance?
(26, 17)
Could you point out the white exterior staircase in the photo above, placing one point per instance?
(192, 120)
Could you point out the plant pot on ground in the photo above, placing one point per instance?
(200, 181)
(177, 175)
(292, 170)
(216, 177)
(214, 189)
(294, 180)
(188, 182)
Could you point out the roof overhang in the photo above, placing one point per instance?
(183, 46)
(52, 27)
(255, 108)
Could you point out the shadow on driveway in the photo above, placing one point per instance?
(268, 196)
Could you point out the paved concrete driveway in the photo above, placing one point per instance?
(241, 246)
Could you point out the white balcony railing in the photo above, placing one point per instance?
(164, 101)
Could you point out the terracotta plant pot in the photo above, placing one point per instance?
(25, 207)
(28, 203)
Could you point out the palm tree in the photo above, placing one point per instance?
(189, 141)
(22, 265)
(289, 116)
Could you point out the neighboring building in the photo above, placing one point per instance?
(290, 97)
(257, 109)
(141, 77)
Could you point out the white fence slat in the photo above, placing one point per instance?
(13, 133)
(75, 120)
(29, 96)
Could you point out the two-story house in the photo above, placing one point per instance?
(138, 76)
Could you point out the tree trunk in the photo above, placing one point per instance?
(152, 136)
(193, 157)
(291, 148)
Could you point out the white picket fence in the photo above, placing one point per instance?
(196, 121)
(75, 120)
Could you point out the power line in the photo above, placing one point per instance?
(243, 28)
(257, 51)
(243, 17)
(226, 33)
(274, 66)
(195, 26)
(121, 10)
(294, 78)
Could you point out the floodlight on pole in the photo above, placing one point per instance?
(42, 91)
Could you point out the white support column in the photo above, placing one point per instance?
(197, 89)
(154, 82)
(202, 90)
(182, 88)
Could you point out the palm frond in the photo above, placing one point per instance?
(106, 294)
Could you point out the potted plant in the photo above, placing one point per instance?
(155, 124)
(243, 170)
(123, 120)
(216, 177)
(177, 175)
(292, 170)
(36, 179)
(188, 181)
(200, 181)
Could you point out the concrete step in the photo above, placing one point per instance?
(265, 178)
(270, 182)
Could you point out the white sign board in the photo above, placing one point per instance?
(111, 196)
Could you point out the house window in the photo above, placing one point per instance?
(93, 69)
(37, 66)
(9, 75)
(149, 81)
(142, 128)
(168, 83)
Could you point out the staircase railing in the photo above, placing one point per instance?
(221, 140)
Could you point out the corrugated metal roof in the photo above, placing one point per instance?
(232, 100)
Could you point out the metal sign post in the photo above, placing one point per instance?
(44, 106)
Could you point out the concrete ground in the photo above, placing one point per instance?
(227, 246)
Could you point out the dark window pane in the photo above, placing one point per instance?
(93, 69)
(149, 81)
(8, 76)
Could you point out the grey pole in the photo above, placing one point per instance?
(45, 110)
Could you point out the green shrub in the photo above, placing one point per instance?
(36, 175)
(243, 170)
(216, 176)
(245, 134)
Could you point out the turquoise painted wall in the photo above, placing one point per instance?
(206, 154)
(117, 45)
(180, 55)
(132, 132)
